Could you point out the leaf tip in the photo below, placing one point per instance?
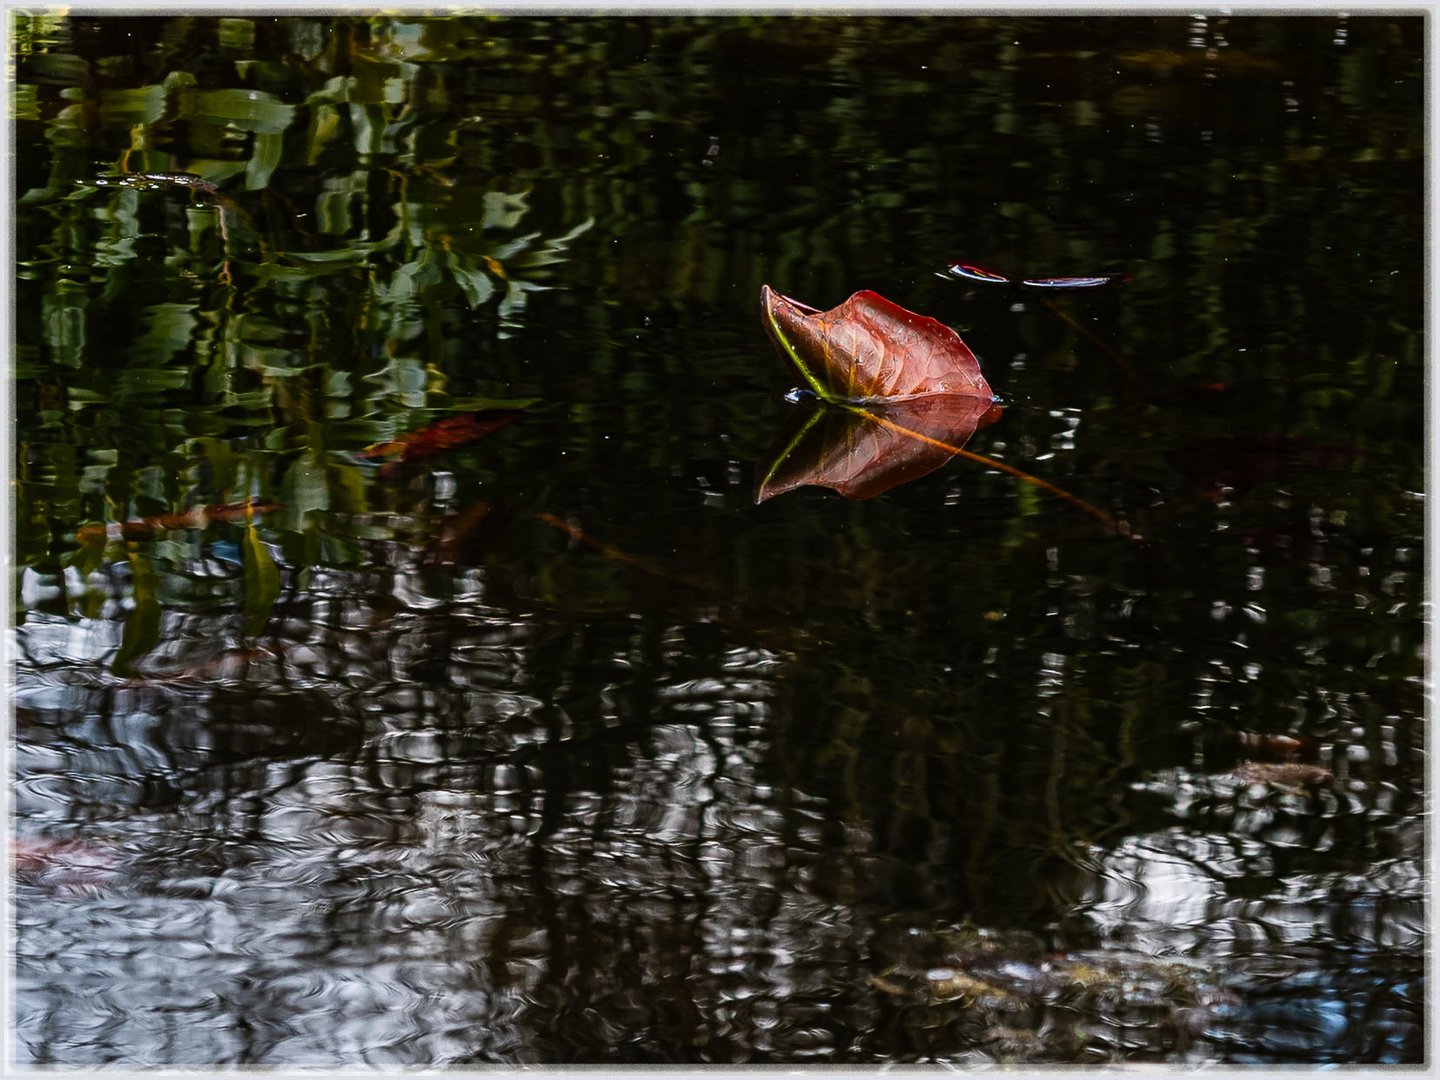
(768, 297)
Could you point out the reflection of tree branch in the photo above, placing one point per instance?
(1095, 340)
(653, 569)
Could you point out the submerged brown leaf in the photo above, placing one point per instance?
(1221, 468)
(197, 517)
(65, 866)
(447, 433)
(459, 536)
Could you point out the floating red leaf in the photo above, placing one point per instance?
(872, 359)
(870, 349)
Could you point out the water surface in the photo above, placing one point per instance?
(558, 748)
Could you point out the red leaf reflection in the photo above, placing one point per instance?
(862, 453)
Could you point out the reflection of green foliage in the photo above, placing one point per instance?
(142, 626)
(211, 324)
(262, 581)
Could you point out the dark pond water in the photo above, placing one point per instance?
(554, 746)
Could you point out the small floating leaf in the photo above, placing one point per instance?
(971, 272)
(1073, 282)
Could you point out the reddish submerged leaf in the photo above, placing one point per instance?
(459, 535)
(66, 866)
(448, 433)
(864, 453)
(870, 349)
(1220, 468)
(1281, 748)
(195, 518)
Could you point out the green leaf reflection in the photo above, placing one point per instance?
(142, 625)
(261, 579)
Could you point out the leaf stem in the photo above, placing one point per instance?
(1118, 527)
(610, 552)
(821, 391)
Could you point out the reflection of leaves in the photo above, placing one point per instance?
(142, 105)
(254, 111)
(262, 581)
(246, 110)
(306, 486)
(503, 210)
(473, 283)
(168, 333)
(857, 455)
(63, 311)
(476, 266)
(869, 348)
(142, 627)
